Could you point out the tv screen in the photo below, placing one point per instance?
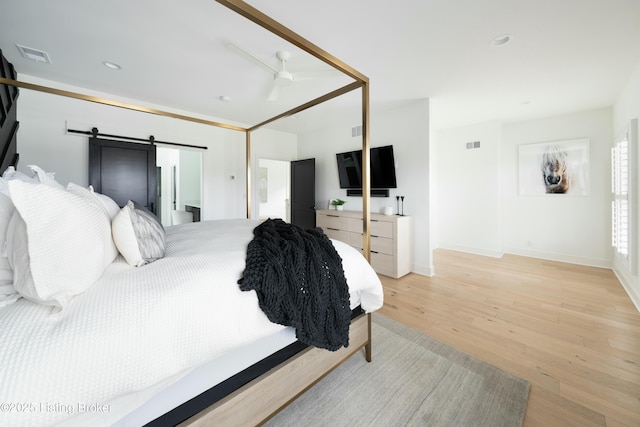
(350, 169)
(383, 168)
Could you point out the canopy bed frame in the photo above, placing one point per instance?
(272, 388)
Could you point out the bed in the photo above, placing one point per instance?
(190, 388)
(129, 347)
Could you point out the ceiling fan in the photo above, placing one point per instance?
(282, 77)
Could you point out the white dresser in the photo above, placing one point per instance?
(390, 238)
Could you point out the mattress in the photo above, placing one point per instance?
(137, 331)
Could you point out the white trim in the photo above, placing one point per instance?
(627, 284)
(570, 259)
(471, 250)
(424, 270)
(633, 197)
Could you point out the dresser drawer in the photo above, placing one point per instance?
(381, 245)
(343, 236)
(383, 264)
(377, 244)
(332, 221)
(377, 228)
(390, 241)
(381, 229)
(356, 240)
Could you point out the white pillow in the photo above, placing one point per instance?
(8, 293)
(109, 204)
(46, 178)
(104, 203)
(58, 244)
(138, 234)
(11, 174)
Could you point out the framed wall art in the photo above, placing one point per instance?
(554, 168)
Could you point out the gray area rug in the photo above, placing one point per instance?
(413, 380)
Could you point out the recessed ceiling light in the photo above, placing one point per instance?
(34, 54)
(500, 40)
(111, 65)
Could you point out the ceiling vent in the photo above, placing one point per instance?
(34, 54)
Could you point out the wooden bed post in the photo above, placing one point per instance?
(366, 170)
(248, 175)
(368, 346)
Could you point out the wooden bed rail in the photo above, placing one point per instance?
(261, 399)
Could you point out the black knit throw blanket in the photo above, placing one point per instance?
(300, 282)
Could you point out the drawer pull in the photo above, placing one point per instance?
(375, 252)
(334, 229)
(334, 216)
(373, 235)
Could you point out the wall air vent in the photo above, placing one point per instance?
(472, 145)
(356, 131)
(34, 54)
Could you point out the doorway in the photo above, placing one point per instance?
(179, 183)
(273, 187)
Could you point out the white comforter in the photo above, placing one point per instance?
(138, 326)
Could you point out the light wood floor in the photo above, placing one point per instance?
(570, 330)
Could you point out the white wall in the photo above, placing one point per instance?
(479, 208)
(190, 177)
(407, 129)
(626, 108)
(42, 140)
(567, 228)
(467, 189)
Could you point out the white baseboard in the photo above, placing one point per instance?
(475, 251)
(424, 271)
(627, 284)
(591, 262)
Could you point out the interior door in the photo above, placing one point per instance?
(303, 193)
(124, 171)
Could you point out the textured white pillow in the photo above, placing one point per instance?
(58, 244)
(104, 203)
(109, 204)
(138, 234)
(11, 174)
(8, 293)
(46, 178)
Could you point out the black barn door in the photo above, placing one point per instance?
(124, 171)
(303, 193)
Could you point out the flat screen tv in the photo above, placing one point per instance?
(383, 168)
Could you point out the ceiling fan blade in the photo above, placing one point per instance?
(251, 58)
(275, 91)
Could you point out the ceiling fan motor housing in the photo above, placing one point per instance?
(283, 78)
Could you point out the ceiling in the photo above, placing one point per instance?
(564, 55)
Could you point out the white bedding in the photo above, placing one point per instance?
(136, 327)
